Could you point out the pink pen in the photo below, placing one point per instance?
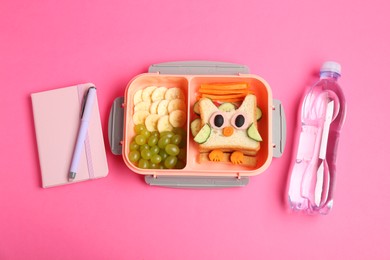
(85, 116)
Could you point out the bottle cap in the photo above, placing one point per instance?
(331, 66)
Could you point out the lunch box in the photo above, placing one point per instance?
(188, 76)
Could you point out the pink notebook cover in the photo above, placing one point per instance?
(57, 119)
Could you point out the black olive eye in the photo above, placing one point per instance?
(218, 120)
(240, 121)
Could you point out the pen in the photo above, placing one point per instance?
(85, 116)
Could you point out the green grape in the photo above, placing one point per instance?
(146, 154)
(145, 133)
(134, 146)
(152, 140)
(154, 149)
(182, 154)
(144, 146)
(168, 134)
(161, 167)
(134, 156)
(172, 149)
(176, 139)
(170, 162)
(154, 166)
(140, 139)
(156, 158)
(180, 164)
(155, 133)
(139, 128)
(163, 154)
(143, 164)
(163, 142)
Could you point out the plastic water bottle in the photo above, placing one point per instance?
(313, 170)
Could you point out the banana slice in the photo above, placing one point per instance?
(163, 124)
(140, 116)
(151, 122)
(142, 106)
(153, 107)
(147, 93)
(177, 118)
(174, 93)
(162, 108)
(176, 104)
(137, 97)
(158, 94)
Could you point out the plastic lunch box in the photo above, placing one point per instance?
(188, 76)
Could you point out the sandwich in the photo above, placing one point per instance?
(227, 129)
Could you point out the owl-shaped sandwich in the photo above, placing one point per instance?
(225, 129)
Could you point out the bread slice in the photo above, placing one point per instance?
(239, 140)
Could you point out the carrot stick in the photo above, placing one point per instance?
(219, 97)
(224, 86)
(231, 100)
(225, 92)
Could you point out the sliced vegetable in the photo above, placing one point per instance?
(230, 100)
(224, 86)
(195, 126)
(253, 133)
(227, 107)
(203, 134)
(259, 113)
(225, 91)
(196, 108)
(227, 96)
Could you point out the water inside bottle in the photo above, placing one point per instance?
(310, 178)
(313, 169)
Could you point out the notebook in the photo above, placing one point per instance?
(57, 119)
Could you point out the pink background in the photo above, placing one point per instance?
(51, 44)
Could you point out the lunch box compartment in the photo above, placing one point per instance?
(263, 156)
(141, 82)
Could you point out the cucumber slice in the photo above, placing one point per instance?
(253, 133)
(259, 114)
(203, 134)
(195, 127)
(227, 107)
(196, 108)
